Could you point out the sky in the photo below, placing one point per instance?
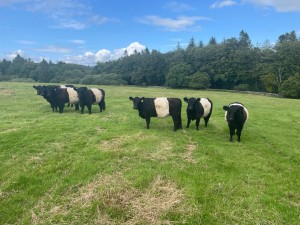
(90, 31)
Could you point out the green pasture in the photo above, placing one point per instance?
(106, 168)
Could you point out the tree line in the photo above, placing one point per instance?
(233, 64)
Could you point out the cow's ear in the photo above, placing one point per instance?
(130, 98)
(142, 99)
(185, 99)
(198, 99)
(225, 107)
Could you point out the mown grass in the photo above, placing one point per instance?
(106, 168)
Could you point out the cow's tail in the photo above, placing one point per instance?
(211, 106)
(103, 100)
(103, 104)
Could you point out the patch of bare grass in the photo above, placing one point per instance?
(150, 205)
(113, 195)
(4, 91)
(9, 130)
(188, 155)
(116, 144)
(100, 129)
(108, 116)
(162, 152)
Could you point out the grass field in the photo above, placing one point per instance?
(106, 168)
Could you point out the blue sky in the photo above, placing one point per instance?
(88, 31)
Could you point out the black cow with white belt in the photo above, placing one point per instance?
(90, 96)
(236, 115)
(158, 107)
(198, 108)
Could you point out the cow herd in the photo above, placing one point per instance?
(60, 95)
(236, 113)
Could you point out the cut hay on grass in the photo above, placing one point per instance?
(113, 193)
(190, 149)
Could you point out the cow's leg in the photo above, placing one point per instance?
(61, 108)
(52, 106)
(177, 121)
(76, 106)
(55, 107)
(206, 119)
(180, 121)
(148, 122)
(89, 108)
(100, 106)
(82, 109)
(239, 132)
(197, 123)
(188, 122)
(232, 131)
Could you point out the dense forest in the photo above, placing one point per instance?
(233, 64)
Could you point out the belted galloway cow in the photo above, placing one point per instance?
(197, 109)
(62, 96)
(158, 107)
(236, 115)
(88, 97)
(47, 92)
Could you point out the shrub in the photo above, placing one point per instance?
(30, 80)
(270, 83)
(178, 75)
(291, 87)
(199, 80)
(242, 87)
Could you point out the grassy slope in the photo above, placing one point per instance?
(106, 168)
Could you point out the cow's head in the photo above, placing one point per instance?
(136, 101)
(38, 89)
(234, 112)
(81, 91)
(191, 102)
(43, 91)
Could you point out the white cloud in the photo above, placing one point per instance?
(87, 58)
(132, 47)
(69, 24)
(25, 42)
(178, 6)
(65, 14)
(10, 56)
(53, 49)
(279, 5)
(11, 2)
(97, 19)
(224, 3)
(179, 24)
(77, 41)
(104, 55)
